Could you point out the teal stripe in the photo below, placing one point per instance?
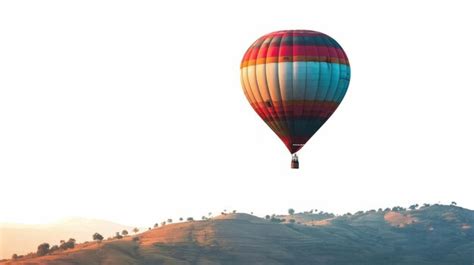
(314, 80)
(301, 127)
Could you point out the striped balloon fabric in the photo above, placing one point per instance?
(295, 80)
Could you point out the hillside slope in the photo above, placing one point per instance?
(433, 235)
(24, 238)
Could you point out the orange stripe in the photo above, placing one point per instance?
(281, 59)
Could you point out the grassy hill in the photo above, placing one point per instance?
(430, 235)
(23, 238)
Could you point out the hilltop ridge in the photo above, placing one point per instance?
(431, 235)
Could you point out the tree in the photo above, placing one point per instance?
(97, 237)
(291, 211)
(43, 249)
(163, 223)
(135, 230)
(181, 218)
(169, 220)
(118, 236)
(203, 218)
(190, 219)
(124, 232)
(267, 216)
(453, 203)
(156, 225)
(14, 256)
(413, 207)
(234, 211)
(209, 214)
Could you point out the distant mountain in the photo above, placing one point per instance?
(24, 238)
(434, 235)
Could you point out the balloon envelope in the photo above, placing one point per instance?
(295, 80)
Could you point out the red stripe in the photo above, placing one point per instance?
(293, 33)
(293, 50)
(307, 109)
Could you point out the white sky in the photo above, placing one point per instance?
(133, 111)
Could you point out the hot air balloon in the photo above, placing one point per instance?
(295, 80)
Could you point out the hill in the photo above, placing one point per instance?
(24, 238)
(431, 235)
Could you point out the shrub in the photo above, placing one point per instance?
(71, 243)
(190, 219)
(398, 209)
(276, 220)
(124, 232)
(97, 237)
(291, 211)
(14, 256)
(43, 249)
(135, 230)
(53, 249)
